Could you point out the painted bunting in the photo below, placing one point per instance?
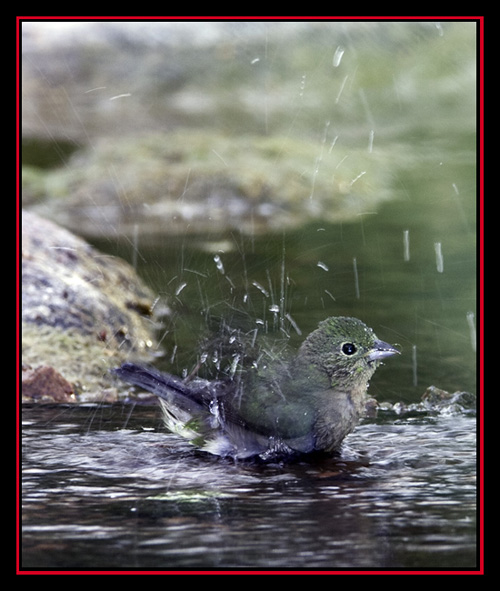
(283, 404)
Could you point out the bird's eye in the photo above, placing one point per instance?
(349, 349)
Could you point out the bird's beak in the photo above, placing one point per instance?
(381, 350)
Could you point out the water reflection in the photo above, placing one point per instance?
(114, 491)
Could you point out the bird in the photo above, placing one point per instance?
(283, 405)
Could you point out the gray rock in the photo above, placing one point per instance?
(82, 312)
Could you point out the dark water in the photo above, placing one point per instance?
(105, 488)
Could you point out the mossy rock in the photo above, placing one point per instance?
(202, 180)
(82, 313)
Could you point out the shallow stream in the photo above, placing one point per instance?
(107, 489)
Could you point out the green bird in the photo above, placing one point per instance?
(281, 406)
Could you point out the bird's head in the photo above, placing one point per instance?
(342, 349)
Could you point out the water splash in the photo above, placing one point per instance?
(439, 257)
(356, 279)
(337, 56)
(261, 288)
(218, 263)
(341, 90)
(302, 85)
(180, 288)
(371, 137)
(406, 245)
(472, 329)
(414, 364)
(356, 178)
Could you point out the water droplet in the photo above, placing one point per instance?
(472, 329)
(180, 288)
(337, 56)
(406, 244)
(356, 280)
(439, 257)
(218, 263)
(414, 364)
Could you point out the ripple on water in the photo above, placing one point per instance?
(401, 493)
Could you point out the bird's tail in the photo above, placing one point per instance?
(185, 408)
(194, 411)
(162, 384)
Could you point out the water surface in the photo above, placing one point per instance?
(106, 488)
